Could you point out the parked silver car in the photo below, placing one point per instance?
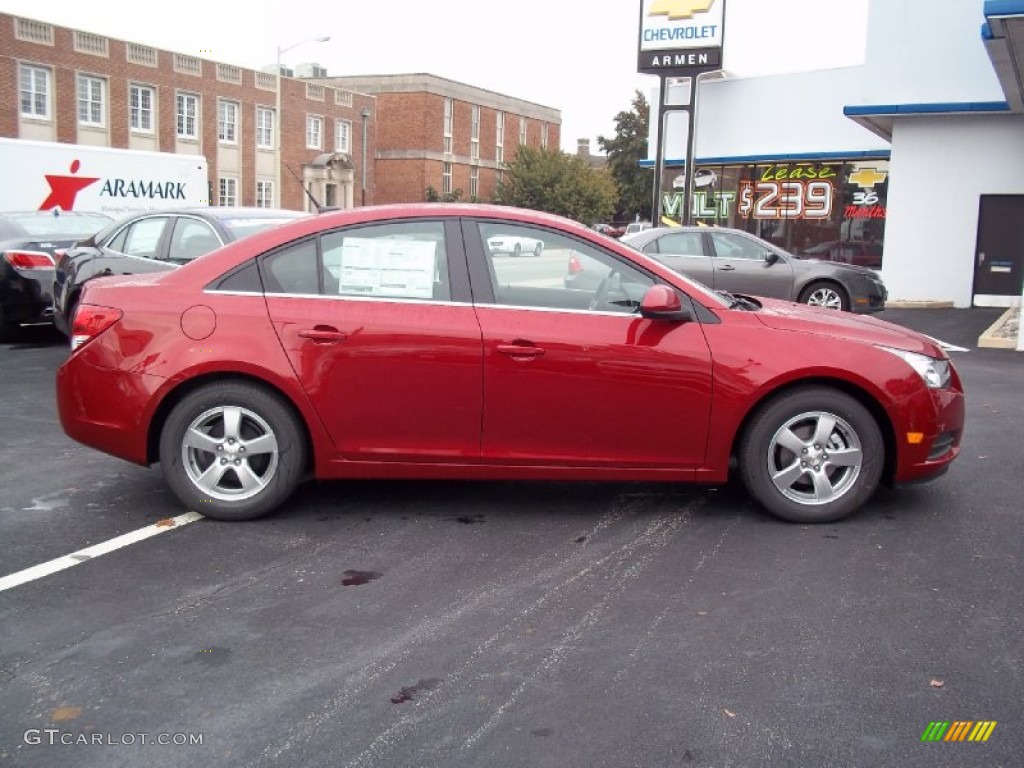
(738, 262)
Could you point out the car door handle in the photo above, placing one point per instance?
(727, 268)
(323, 334)
(520, 351)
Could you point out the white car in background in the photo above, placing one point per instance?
(515, 245)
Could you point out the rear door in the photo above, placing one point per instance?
(379, 327)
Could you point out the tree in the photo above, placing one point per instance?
(433, 196)
(559, 183)
(625, 151)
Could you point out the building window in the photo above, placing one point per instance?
(90, 100)
(33, 31)
(474, 182)
(343, 136)
(227, 121)
(84, 42)
(264, 194)
(264, 128)
(34, 84)
(315, 92)
(228, 191)
(227, 73)
(446, 178)
(544, 135)
(188, 65)
(474, 134)
(140, 54)
(449, 109)
(140, 108)
(314, 132)
(188, 116)
(343, 98)
(522, 130)
(499, 139)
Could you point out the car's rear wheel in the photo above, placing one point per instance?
(538, 249)
(827, 295)
(812, 455)
(518, 250)
(232, 451)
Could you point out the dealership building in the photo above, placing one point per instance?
(912, 163)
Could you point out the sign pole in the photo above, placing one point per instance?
(679, 39)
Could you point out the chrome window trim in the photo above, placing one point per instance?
(342, 297)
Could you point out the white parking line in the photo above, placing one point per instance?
(104, 547)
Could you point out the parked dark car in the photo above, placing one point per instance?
(738, 262)
(153, 241)
(390, 342)
(29, 243)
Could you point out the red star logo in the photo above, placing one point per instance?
(64, 189)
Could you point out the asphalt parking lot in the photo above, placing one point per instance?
(510, 624)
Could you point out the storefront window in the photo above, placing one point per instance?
(828, 210)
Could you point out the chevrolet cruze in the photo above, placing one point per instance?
(391, 342)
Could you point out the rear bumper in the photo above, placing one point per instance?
(25, 295)
(105, 408)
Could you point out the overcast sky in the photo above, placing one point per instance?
(576, 56)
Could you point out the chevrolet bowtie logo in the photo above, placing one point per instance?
(866, 178)
(679, 9)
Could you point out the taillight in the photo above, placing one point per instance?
(29, 259)
(90, 322)
(574, 265)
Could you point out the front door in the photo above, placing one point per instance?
(999, 256)
(574, 376)
(740, 267)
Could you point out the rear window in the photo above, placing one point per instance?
(239, 228)
(63, 227)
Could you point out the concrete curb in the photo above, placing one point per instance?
(918, 304)
(991, 338)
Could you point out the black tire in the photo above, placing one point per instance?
(518, 250)
(806, 410)
(538, 249)
(260, 412)
(814, 293)
(69, 315)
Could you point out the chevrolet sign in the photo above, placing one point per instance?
(681, 38)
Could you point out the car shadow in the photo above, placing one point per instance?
(34, 337)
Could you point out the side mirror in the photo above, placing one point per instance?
(662, 303)
(770, 257)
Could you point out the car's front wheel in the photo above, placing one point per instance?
(538, 249)
(812, 455)
(518, 250)
(232, 451)
(827, 295)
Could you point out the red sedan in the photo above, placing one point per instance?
(390, 342)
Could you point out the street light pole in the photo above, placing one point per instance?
(366, 116)
(279, 118)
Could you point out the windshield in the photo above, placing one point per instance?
(63, 227)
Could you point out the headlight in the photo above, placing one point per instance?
(934, 371)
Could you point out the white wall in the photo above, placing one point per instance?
(927, 51)
(939, 169)
(775, 116)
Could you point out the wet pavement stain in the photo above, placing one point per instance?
(213, 656)
(580, 540)
(358, 578)
(542, 732)
(409, 693)
(830, 536)
(467, 520)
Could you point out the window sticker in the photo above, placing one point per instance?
(386, 267)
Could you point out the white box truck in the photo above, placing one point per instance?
(43, 175)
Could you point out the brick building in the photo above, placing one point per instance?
(59, 84)
(438, 133)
